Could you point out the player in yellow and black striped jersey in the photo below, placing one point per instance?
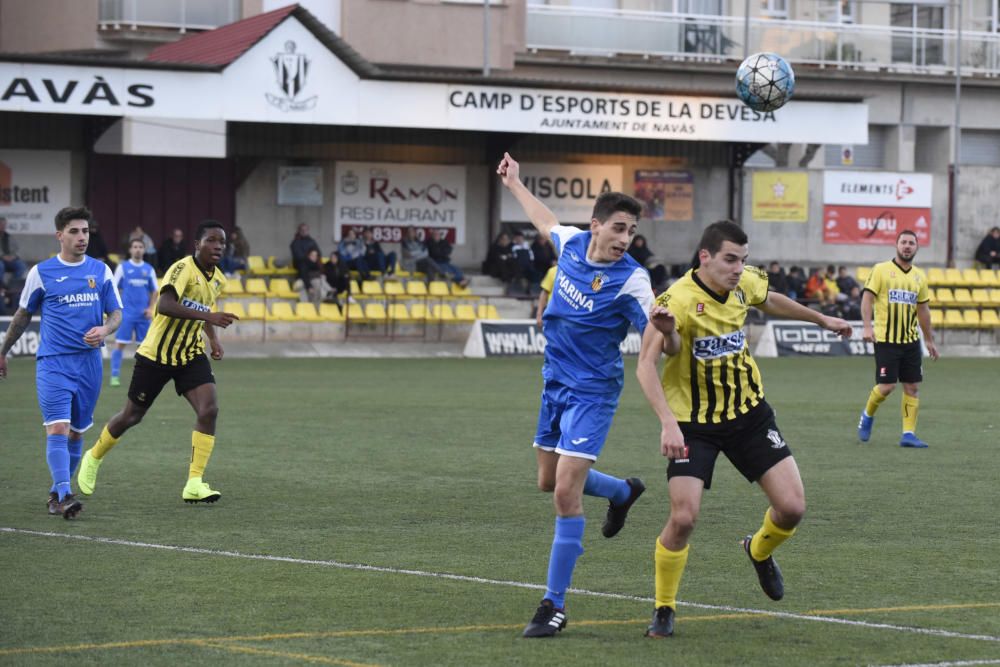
(896, 294)
(174, 350)
(710, 399)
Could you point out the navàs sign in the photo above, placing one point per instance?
(569, 190)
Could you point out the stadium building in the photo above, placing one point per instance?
(388, 114)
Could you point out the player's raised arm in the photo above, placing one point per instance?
(780, 305)
(541, 217)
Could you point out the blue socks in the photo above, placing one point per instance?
(116, 362)
(605, 486)
(567, 546)
(57, 455)
(75, 449)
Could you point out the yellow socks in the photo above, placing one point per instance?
(201, 450)
(669, 568)
(104, 444)
(910, 408)
(768, 538)
(874, 400)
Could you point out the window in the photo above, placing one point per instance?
(775, 8)
(917, 49)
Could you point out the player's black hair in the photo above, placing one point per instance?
(70, 213)
(205, 226)
(610, 203)
(909, 232)
(718, 233)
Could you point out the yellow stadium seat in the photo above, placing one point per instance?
(954, 278)
(971, 277)
(307, 312)
(943, 296)
(488, 312)
(862, 273)
(276, 270)
(280, 289)
(416, 289)
(394, 289)
(234, 309)
(330, 312)
(113, 257)
(935, 276)
(401, 272)
(937, 317)
(256, 310)
(459, 292)
(418, 311)
(442, 312)
(995, 297)
(256, 266)
(234, 287)
(282, 311)
(989, 319)
(355, 312)
(989, 278)
(953, 319)
(963, 297)
(354, 289)
(371, 288)
(398, 312)
(464, 312)
(256, 287)
(981, 296)
(438, 289)
(971, 318)
(375, 312)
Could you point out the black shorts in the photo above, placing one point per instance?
(149, 378)
(752, 443)
(898, 362)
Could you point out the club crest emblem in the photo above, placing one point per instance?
(700, 308)
(92, 282)
(291, 70)
(598, 282)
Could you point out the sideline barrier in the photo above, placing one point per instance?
(519, 338)
(789, 338)
(27, 344)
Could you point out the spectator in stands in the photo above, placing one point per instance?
(9, 260)
(850, 307)
(439, 250)
(375, 258)
(352, 253)
(988, 252)
(641, 253)
(301, 244)
(500, 262)
(96, 247)
(337, 278)
(416, 256)
(525, 259)
(139, 233)
(796, 282)
(236, 253)
(173, 249)
(818, 289)
(3, 300)
(544, 252)
(777, 280)
(846, 282)
(312, 277)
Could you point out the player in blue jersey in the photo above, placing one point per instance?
(73, 293)
(599, 291)
(136, 282)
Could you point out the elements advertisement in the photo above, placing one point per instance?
(780, 196)
(872, 207)
(665, 195)
(389, 197)
(34, 185)
(568, 189)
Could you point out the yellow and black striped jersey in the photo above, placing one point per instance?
(897, 292)
(713, 379)
(173, 341)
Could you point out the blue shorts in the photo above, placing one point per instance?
(574, 423)
(139, 325)
(68, 388)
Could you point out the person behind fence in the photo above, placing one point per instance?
(525, 259)
(352, 253)
(172, 249)
(416, 256)
(337, 277)
(641, 253)
(846, 282)
(818, 289)
(777, 279)
(375, 257)
(301, 244)
(147, 241)
(545, 254)
(796, 280)
(9, 261)
(440, 253)
(97, 248)
(312, 277)
(236, 254)
(988, 252)
(500, 262)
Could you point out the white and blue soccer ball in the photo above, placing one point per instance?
(765, 81)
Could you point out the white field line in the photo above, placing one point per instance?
(956, 663)
(512, 584)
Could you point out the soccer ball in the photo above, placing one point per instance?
(765, 81)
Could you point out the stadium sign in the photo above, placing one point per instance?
(27, 344)
(569, 190)
(282, 79)
(34, 185)
(872, 207)
(520, 338)
(801, 339)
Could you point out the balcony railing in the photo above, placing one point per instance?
(714, 38)
(182, 15)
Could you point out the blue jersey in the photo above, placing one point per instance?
(135, 282)
(589, 313)
(72, 299)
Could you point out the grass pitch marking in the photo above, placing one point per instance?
(813, 617)
(305, 657)
(956, 663)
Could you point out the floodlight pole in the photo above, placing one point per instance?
(746, 29)
(957, 144)
(486, 37)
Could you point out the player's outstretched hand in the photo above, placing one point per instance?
(509, 170)
(221, 319)
(217, 350)
(932, 350)
(672, 441)
(3, 366)
(663, 320)
(841, 327)
(868, 334)
(95, 336)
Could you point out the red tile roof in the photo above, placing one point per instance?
(224, 44)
